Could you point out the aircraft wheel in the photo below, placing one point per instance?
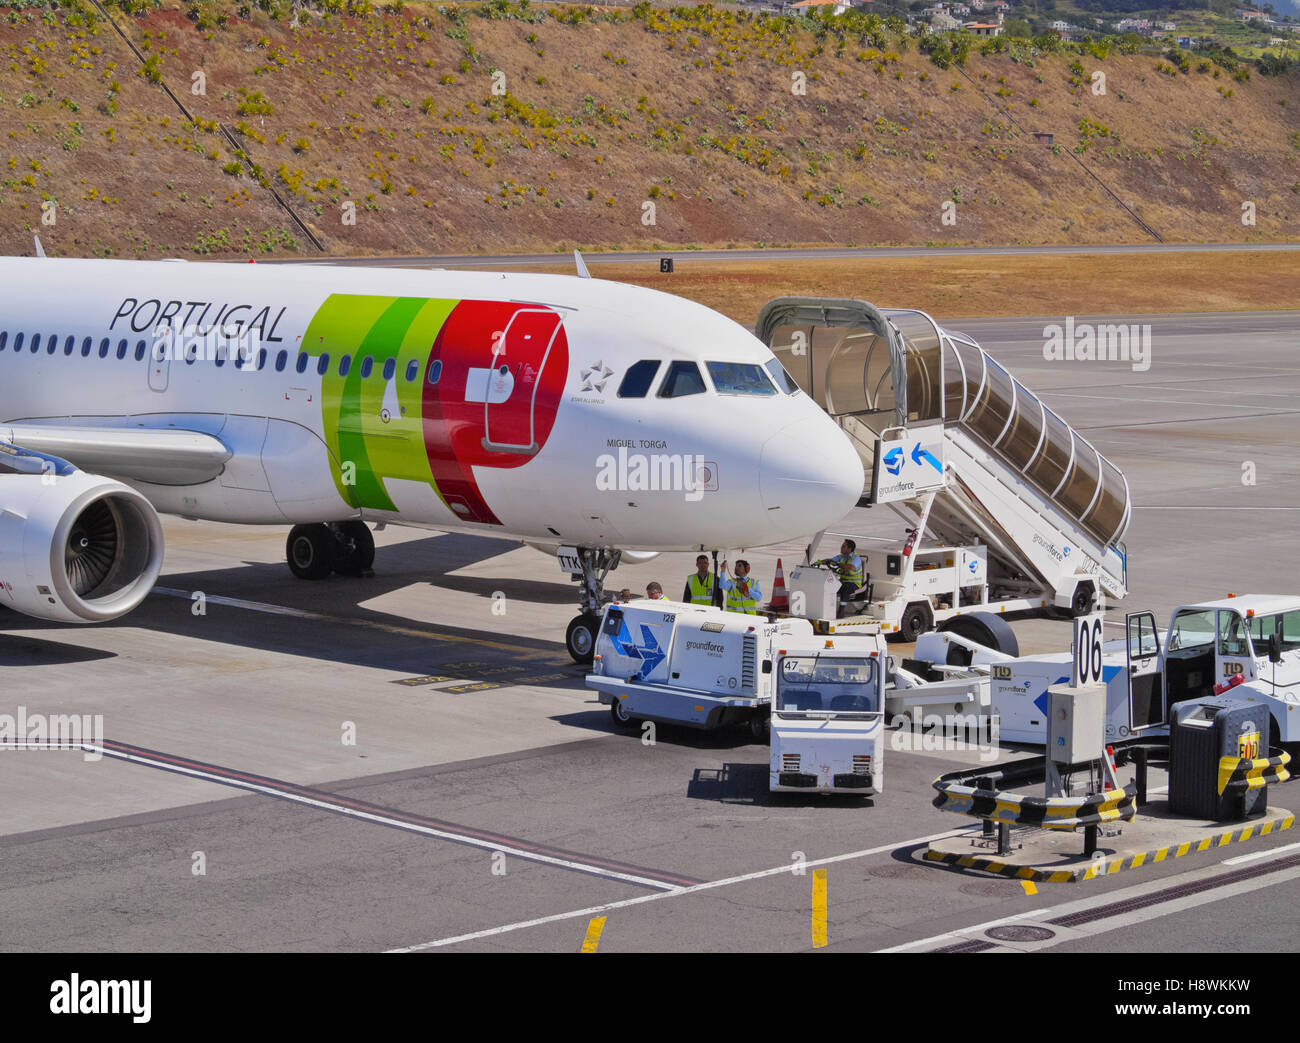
(356, 547)
(619, 712)
(581, 638)
(311, 551)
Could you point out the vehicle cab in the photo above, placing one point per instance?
(1256, 636)
(828, 721)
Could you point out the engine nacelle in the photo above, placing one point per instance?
(76, 547)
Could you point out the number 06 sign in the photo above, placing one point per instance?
(1086, 668)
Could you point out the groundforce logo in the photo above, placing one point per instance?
(1049, 547)
(712, 647)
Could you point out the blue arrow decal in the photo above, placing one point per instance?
(919, 455)
(650, 654)
(1041, 701)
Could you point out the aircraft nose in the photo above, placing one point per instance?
(810, 476)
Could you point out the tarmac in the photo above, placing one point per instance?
(387, 763)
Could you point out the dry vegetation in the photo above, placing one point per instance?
(969, 287)
(503, 127)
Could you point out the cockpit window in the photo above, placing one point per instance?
(780, 377)
(740, 378)
(639, 377)
(683, 379)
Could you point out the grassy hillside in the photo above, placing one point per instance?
(438, 129)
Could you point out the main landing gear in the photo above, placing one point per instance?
(581, 636)
(314, 551)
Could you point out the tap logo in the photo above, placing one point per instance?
(594, 378)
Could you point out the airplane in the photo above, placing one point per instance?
(590, 419)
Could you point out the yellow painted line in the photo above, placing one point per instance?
(593, 934)
(819, 909)
(1030, 889)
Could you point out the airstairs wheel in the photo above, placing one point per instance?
(983, 628)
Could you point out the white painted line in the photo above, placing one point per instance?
(386, 820)
(1255, 856)
(597, 910)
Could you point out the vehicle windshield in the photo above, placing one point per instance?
(739, 378)
(1285, 624)
(810, 684)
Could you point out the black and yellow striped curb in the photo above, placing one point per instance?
(1043, 812)
(1243, 774)
(1109, 866)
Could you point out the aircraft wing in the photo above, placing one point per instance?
(158, 456)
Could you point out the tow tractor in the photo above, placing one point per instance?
(706, 668)
(1249, 645)
(828, 721)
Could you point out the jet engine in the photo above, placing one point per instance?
(74, 547)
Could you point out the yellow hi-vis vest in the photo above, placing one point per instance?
(738, 602)
(701, 592)
(852, 574)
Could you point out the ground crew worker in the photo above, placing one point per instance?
(743, 592)
(849, 567)
(699, 584)
(655, 592)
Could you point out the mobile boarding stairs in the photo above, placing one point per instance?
(1028, 513)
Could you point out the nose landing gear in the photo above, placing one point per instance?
(580, 638)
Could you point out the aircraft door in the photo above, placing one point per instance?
(159, 361)
(1146, 697)
(519, 355)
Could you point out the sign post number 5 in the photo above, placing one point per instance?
(1086, 667)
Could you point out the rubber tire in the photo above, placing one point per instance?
(625, 721)
(310, 550)
(915, 622)
(760, 725)
(356, 547)
(1085, 597)
(582, 649)
(989, 630)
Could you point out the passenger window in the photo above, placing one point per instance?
(367, 364)
(4, 339)
(435, 369)
(18, 343)
(412, 370)
(52, 344)
(640, 375)
(121, 348)
(302, 362)
(36, 343)
(140, 348)
(390, 367)
(220, 357)
(86, 346)
(281, 360)
(683, 379)
(261, 360)
(104, 345)
(323, 365)
(69, 345)
(345, 364)
(739, 378)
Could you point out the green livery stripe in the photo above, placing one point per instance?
(366, 447)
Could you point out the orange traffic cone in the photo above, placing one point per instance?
(780, 599)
